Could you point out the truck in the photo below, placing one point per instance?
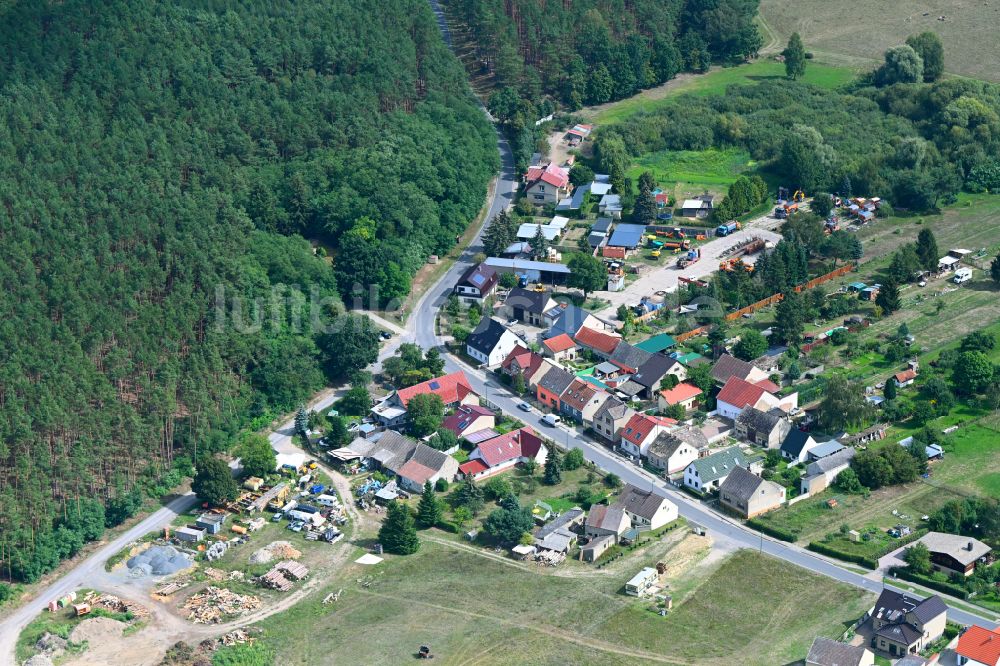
(962, 275)
(727, 228)
(687, 259)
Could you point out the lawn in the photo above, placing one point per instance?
(856, 33)
(714, 82)
(470, 607)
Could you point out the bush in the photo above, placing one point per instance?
(776, 532)
(927, 581)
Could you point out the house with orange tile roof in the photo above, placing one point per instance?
(683, 394)
(546, 185)
(601, 343)
(453, 389)
(581, 400)
(641, 430)
(560, 348)
(979, 646)
(738, 394)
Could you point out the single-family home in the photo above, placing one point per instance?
(601, 343)
(546, 185)
(581, 400)
(738, 394)
(699, 207)
(953, 553)
(828, 652)
(491, 342)
(979, 646)
(569, 319)
(522, 361)
(707, 474)
(684, 394)
(763, 428)
(748, 495)
(469, 419)
(604, 520)
(413, 463)
(560, 348)
(551, 386)
(729, 366)
(905, 378)
(821, 474)
(645, 508)
(476, 284)
(453, 389)
(673, 450)
(610, 418)
(529, 306)
(651, 372)
(640, 431)
(902, 625)
(796, 445)
(502, 453)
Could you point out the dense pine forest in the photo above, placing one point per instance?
(154, 154)
(593, 51)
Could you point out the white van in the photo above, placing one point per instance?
(551, 420)
(962, 275)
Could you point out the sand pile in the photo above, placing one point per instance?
(96, 629)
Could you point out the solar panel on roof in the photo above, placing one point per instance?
(435, 385)
(478, 279)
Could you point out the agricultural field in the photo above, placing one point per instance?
(714, 82)
(471, 606)
(856, 34)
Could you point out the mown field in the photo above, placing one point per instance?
(471, 608)
(714, 82)
(857, 33)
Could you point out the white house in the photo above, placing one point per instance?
(645, 508)
(738, 394)
(476, 284)
(491, 342)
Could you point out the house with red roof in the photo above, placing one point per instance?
(979, 646)
(546, 185)
(502, 453)
(683, 394)
(738, 394)
(453, 389)
(560, 348)
(581, 400)
(905, 378)
(522, 361)
(468, 419)
(601, 343)
(641, 430)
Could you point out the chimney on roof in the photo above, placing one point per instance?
(969, 546)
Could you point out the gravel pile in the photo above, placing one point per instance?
(158, 561)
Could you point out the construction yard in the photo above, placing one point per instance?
(468, 605)
(856, 34)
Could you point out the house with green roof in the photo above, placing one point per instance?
(691, 359)
(705, 475)
(657, 343)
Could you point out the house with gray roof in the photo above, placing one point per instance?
(729, 366)
(748, 495)
(652, 371)
(828, 652)
(628, 357)
(610, 418)
(646, 508)
(822, 473)
(902, 625)
(551, 386)
(412, 462)
(558, 535)
(763, 428)
(707, 474)
(796, 445)
(529, 306)
(824, 450)
(953, 553)
(674, 450)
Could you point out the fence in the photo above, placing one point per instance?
(771, 300)
(681, 337)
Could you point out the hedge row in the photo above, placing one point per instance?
(927, 581)
(773, 531)
(869, 561)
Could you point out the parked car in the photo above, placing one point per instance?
(551, 420)
(276, 518)
(523, 406)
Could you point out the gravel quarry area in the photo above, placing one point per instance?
(158, 561)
